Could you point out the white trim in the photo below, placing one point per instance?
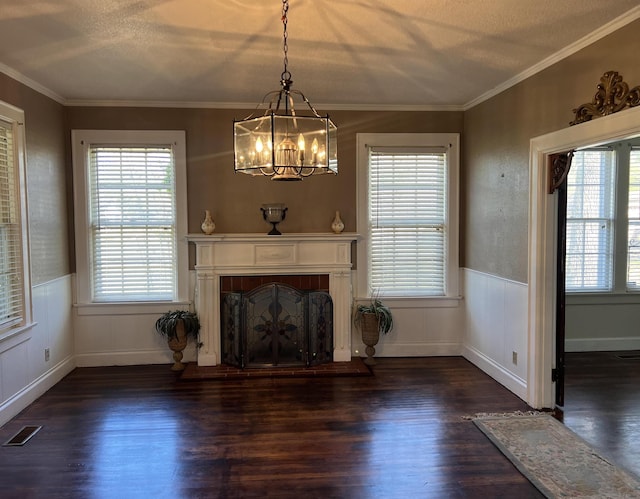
(602, 344)
(252, 105)
(425, 349)
(493, 276)
(514, 383)
(542, 236)
(139, 357)
(591, 299)
(38, 387)
(365, 140)
(129, 308)
(34, 85)
(596, 35)
(296, 254)
(15, 116)
(80, 141)
(614, 25)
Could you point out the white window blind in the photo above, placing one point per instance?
(591, 221)
(407, 221)
(133, 223)
(633, 255)
(11, 272)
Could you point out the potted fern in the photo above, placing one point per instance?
(177, 327)
(373, 319)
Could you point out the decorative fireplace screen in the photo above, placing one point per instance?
(276, 325)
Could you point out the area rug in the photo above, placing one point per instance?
(355, 367)
(556, 460)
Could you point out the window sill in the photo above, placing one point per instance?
(602, 299)
(12, 333)
(129, 308)
(417, 302)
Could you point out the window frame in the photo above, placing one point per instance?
(451, 141)
(15, 117)
(610, 195)
(619, 293)
(81, 141)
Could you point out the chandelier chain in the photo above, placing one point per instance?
(286, 75)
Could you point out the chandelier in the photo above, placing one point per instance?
(284, 144)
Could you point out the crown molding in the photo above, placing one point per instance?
(34, 85)
(592, 37)
(596, 35)
(252, 106)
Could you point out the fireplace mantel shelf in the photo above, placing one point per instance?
(261, 254)
(258, 237)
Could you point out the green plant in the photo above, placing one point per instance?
(168, 322)
(381, 311)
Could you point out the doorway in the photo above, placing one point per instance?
(543, 239)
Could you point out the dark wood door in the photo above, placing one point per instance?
(558, 371)
(559, 165)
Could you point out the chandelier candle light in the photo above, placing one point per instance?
(304, 144)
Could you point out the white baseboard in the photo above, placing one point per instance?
(30, 393)
(140, 357)
(415, 350)
(509, 380)
(601, 344)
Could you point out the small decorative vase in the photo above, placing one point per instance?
(208, 226)
(337, 225)
(370, 336)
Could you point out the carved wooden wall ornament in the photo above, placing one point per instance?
(613, 95)
(559, 166)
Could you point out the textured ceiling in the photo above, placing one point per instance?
(341, 52)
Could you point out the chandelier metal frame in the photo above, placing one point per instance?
(283, 144)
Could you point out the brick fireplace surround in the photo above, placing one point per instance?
(256, 255)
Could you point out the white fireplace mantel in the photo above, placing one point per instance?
(256, 254)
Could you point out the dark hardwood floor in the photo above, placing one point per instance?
(129, 432)
(602, 403)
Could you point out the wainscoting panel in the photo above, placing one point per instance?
(602, 323)
(495, 337)
(418, 332)
(119, 335)
(25, 371)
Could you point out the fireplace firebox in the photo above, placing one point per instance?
(276, 324)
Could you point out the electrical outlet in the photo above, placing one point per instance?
(46, 355)
(514, 358)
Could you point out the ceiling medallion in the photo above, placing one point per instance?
(613, 95)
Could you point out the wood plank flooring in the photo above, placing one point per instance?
(129, 432)
(602, 403)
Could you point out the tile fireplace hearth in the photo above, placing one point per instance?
(255, 256)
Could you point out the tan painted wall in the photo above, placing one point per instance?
(48, 180)
(235, 199)
(495, 178)
(495, 161)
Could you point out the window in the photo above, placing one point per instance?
(591, 193)
(633, 239)
(603, 220)
(131, 244)
(408, 214)
(15, 308)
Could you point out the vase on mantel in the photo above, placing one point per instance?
(337, 225)
(208, 226)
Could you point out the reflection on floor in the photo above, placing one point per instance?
(138, 432)
(602, 403)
